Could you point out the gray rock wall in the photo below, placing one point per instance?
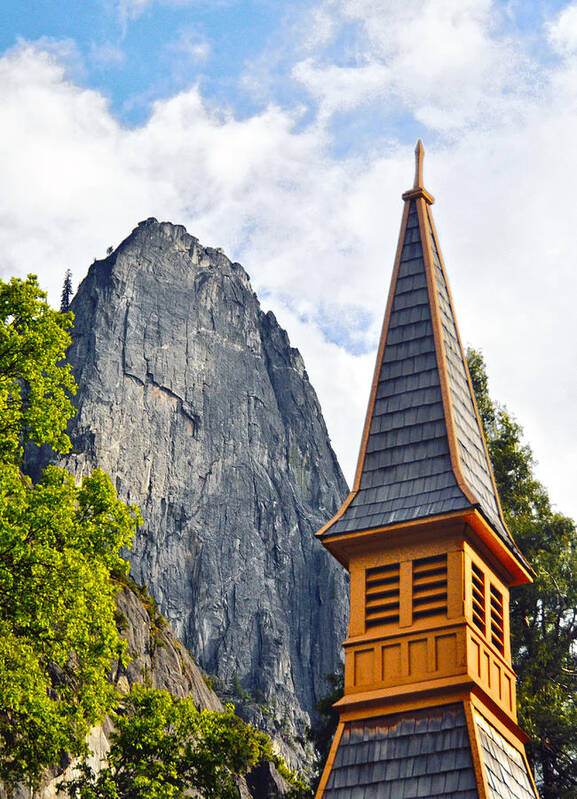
(193, 400)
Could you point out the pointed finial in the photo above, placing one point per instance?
(418, 189)
(419, 154)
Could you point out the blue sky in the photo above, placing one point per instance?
(139, 51)
(284, 133)
(135, 54)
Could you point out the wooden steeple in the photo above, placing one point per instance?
(429, 705)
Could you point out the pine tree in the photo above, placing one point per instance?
(543, 614)
(66, 292)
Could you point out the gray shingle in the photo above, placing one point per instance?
(424, 753)
(505, 768)
(408, 440)
(468, 432)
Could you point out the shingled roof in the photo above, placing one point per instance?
(423, 753)
(423, 453)
(507, 776)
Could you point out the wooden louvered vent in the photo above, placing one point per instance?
(382, 595)
(497, 625)
(479, 603)
(429, 587)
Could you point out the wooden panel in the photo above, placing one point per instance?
(391, 664)
(446, 653)
(496, 679)
(495, 676)
(406, 585)
(456, 599)
(357, 615)
(507, 691)
(418, 657)
(487, 668)
(476, 659)
(364, 666)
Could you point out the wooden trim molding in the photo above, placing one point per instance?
(475, 744)
(330, 760)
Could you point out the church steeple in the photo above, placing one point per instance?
(423, 453)
(429, 707)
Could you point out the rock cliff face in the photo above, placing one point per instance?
(193, 400)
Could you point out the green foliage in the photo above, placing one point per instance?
(215, 684)
(35, 382)
(163, 748)
(543, 614)
(58, 544)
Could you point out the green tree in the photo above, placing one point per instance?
(543, 614)
(58, 545)
(162, 748)
(35, 382)
(66, 292)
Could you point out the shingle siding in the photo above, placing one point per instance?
(472, 453)
(424, 753)
(505, 767)
(407, 472)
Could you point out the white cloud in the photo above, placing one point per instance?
(563, 31)
(445, 61)
(339, 89)
(318, 232)
(191, 46)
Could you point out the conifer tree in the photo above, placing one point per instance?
(543, 614)
(66, 292)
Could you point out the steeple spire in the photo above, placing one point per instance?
(419, 155)
(429, 706)
(423, 453)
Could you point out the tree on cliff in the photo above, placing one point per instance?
(59, 544)
(164, 747)
(544, 614)
(59, 567)
(66, 292)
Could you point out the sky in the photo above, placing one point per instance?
(284, 132)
